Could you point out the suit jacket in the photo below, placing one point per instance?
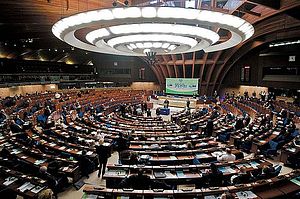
(103, 152)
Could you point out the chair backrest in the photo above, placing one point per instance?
(295, 133)
(196, 161)
(273, 145)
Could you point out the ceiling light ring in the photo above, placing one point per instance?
(239, 27)
(145, 28)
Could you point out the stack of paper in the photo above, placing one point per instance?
(202, 155)
(173, 157)
(10, 180)
(37, 189)
(38, 162)
(245, 194)
(26, 186)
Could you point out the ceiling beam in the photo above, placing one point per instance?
(244, 10)
(274, 4)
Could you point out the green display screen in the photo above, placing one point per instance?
(182, 86)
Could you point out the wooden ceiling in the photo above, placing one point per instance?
(33, 19)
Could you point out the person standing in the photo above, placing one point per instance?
(148, 113)
(121, 144)
(188, 103)
(104, 152)
(166, 103)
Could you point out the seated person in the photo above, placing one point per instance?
(267, 172)
(86, 166)
(133, 158)
(214, 178)
(3, 116)
(227, 157)
(143, 137)
(169, 146)
(19, 121)
(242, 177)
(294, 160)
(247, 144)
(209, 127)
(53, 181)
(137, 181)
(14, 127)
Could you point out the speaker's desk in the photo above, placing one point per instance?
(177, 101)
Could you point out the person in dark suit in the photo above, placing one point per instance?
(138, 181)
(166, 103)
(121, 144)
(188, 102)
(148, 113)
(14, 127)
(243, 177)
(52, 181)
(86, 166)
(3, 116)
(143, 137)
(104, 152)
(169, 146)
(215, 177)
(267, 172)
(209, 127)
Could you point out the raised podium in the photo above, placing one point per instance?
(177, 101)
(164, 111)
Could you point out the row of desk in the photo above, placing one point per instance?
(278, 187)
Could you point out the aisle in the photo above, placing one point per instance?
(72, 193)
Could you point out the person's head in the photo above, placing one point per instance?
(266, 169)
(243, 169)
(133, 155)
(101, 141)
(46, 194)
(226, 195)
(251, 137)
(228, 151)
(43, 169)
(189, 145)
(83, 152)
(213, 168)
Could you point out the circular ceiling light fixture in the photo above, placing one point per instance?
(132, 31)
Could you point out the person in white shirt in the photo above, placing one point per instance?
(226, 157)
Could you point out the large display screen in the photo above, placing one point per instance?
(182, 86)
